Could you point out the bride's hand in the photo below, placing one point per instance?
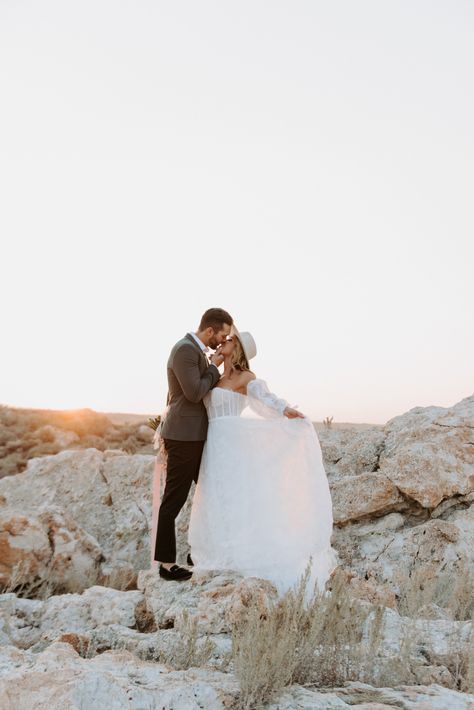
(217, 359)
(292, 413)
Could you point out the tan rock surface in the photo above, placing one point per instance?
(402, 497)
(357, 497)
(103, 498)
(59, 678)
(428, 452)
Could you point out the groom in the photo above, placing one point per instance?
(184, 431)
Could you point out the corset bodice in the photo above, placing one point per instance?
(221, 402)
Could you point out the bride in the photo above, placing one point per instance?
(262, 505)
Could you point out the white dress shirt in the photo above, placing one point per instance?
(203, 347)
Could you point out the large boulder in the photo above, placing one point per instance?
(59, 677)
(428, 452)
(430, 562)
(46, 551)
(82, 512)
(419, 460)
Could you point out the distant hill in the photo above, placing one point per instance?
(359, 426)
(27, 433)
(120, 418)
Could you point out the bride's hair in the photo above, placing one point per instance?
(238, 360)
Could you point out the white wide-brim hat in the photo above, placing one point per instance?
(247, 342)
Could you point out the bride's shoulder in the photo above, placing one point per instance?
(247, 376)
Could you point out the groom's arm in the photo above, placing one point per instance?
(186, 369)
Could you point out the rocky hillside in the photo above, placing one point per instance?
(28, 433)
(85, 621)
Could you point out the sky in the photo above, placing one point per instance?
(306, 165)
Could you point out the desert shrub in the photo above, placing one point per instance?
(191, 650)
(94, 442)
(45, 434)
(187, 650)
(319, 641)
(81, 421)
(451, 591)
(12, 464)
(43, 450)
(334, 638)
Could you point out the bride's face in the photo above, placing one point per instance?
(227, 347)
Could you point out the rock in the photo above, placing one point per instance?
(428, 452)
(361, 696)
(430, 675)
(415, 462)
(357, 497)
(437, 554)
(107, 496)
(79, 613)
(405, 696)
(348, 452)
(48, 551)
(25, 550)
(214, 599)
(430, 639)
(402, 498)
(58, 678)
(26, 622)
(71, 480)
(20, 620)
(370, 589)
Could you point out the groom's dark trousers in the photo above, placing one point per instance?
(184, 459)
(190, 377)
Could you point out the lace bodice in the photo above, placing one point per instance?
(223, 402)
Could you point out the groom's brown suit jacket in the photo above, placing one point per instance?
(190, 377)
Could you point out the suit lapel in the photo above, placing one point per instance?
(204, 359)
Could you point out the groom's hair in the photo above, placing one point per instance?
(215, 318)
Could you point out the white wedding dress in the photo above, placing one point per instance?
(262, 504)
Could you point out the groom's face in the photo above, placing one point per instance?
(218, 337)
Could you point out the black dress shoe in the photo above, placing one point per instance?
(189, 560)
(176, 573)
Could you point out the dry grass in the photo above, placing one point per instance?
(316, 642)
(26, 586)
(452, 592)
(466, 683)
(335, 638)
(188, 650)
(192, 651)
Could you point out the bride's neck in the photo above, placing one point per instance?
(227, 367)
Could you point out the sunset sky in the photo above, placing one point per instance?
(307, 165)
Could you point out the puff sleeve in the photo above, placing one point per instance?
(264, 402)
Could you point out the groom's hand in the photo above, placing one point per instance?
(217, 359)
(292, 413)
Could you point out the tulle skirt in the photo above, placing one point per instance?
(262, 505)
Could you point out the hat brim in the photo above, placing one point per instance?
(235, 332)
